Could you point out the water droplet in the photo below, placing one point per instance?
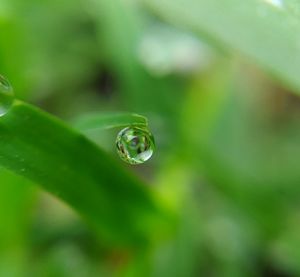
(6, 96)
(135, 145)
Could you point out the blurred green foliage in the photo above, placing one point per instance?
(219, 86)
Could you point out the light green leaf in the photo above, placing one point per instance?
(267, 31)
(109, 120)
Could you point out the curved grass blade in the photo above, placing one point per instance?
(109, 120)
(43, 149)
(265, 31)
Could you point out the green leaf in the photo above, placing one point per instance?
(65, 163)
(264, 30)
(16, 204)
(109, 120)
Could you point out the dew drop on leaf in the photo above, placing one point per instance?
(6, 95)
(135, 145)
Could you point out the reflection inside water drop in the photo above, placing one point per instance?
(6, 95)
(276, 3)
(135, 145)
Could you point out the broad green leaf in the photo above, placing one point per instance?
(267, 31)
(109, 120)
(65, 163)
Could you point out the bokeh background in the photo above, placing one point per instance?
(227, 135)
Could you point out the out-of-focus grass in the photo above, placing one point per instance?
(227, 133)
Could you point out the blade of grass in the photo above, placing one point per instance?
(16, 203)
(109, 120)
(43, 149)
(265, 31)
